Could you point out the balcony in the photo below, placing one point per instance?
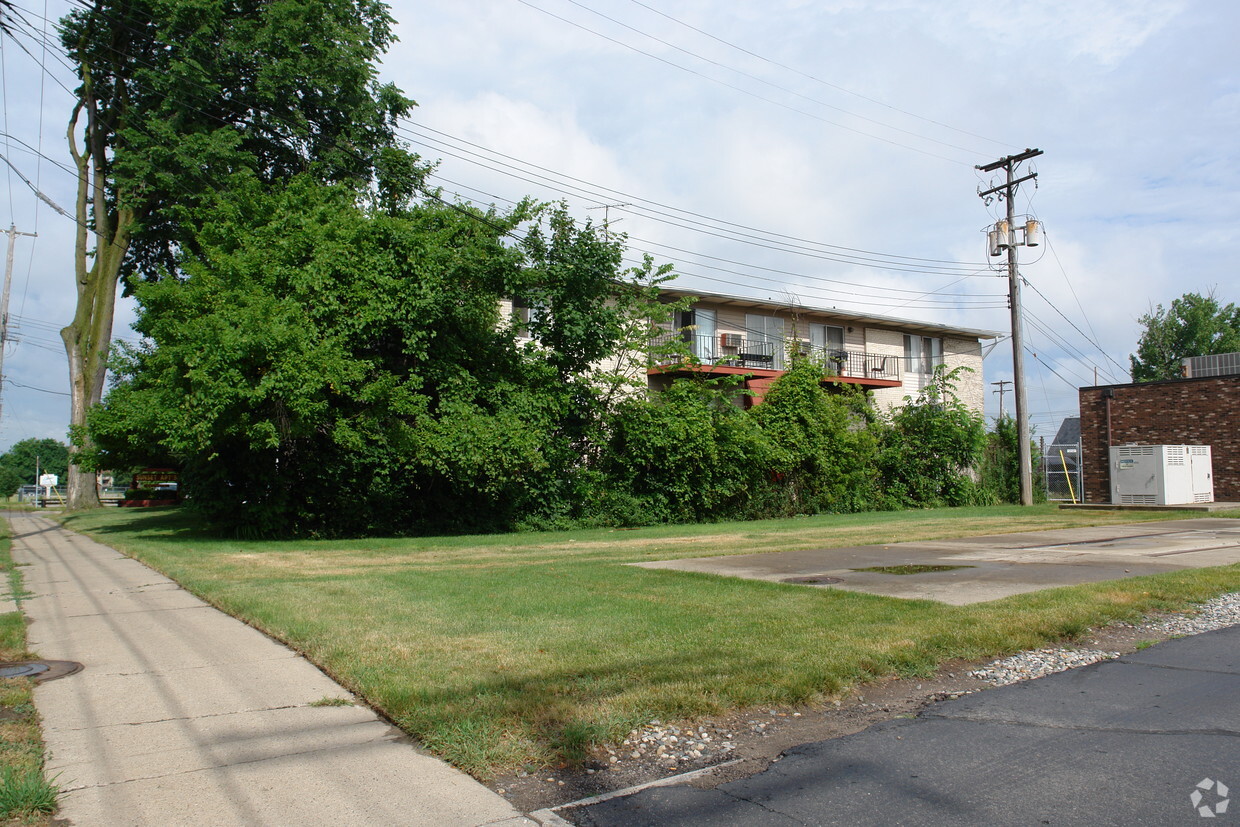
(732, 353)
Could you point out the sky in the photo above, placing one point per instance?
(820, 153)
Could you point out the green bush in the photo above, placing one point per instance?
(826, 443)
(686, 454)
(999, 469)
(930, 451)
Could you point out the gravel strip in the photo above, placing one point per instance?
(1219, 613)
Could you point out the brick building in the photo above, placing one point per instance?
(1199, 411)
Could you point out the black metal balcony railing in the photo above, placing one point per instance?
(729, 349)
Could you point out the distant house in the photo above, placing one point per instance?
(1201, 409)
(891, 357)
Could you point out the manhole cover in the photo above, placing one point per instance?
(39, 670)
(813, 580)
(911, 569)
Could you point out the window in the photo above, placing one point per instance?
(698, 328)
(826, 337)
(764, 341)
(525, 312)
(922, 354)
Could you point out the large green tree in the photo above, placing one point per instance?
(1194, 325)
(331, 367)
(181, 99)
(36, 456)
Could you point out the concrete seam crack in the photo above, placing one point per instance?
(180, 718)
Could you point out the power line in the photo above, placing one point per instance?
(1052, 370)
(608, 193)
(765, 82)
(15, 383)
(921, 295)
(965, 302)
(845, 258)
(1062, 342)
(737, 88)
(1084, 315)
(816, 79)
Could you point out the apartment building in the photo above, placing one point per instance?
(891, 357)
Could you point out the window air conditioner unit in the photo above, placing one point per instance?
(1161, 474)
(730, 339)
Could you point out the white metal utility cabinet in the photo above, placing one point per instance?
(1161, 474)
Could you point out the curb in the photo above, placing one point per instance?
(548, 817)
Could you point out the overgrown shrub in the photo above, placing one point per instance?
(826, 443)
(685, 454)
(929, 452)
(999, 469)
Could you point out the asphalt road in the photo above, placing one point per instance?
(1123, 742)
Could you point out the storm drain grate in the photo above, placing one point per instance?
(39, 670)
(813, 579)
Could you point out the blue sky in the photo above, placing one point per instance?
(853, 124)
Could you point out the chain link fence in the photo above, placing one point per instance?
(1062, 472)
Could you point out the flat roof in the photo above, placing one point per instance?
(863, 318)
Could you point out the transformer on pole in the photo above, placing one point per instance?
(1006, 237)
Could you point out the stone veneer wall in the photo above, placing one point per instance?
(1202, 411)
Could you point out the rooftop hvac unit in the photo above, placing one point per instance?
(1161, 474)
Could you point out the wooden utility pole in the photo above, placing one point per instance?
(1007, 238)
(1002, 390)
(4, 303)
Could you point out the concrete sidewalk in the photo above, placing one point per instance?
(185, 716)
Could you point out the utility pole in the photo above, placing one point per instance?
(1002, 390)
(1004, 236)
(4, 302)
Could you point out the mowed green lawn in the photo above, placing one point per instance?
(524, 649)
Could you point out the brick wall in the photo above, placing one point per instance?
(1177, 412)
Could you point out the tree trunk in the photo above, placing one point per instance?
(89, 336)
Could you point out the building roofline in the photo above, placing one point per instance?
(909, 324)
(1179, 380)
